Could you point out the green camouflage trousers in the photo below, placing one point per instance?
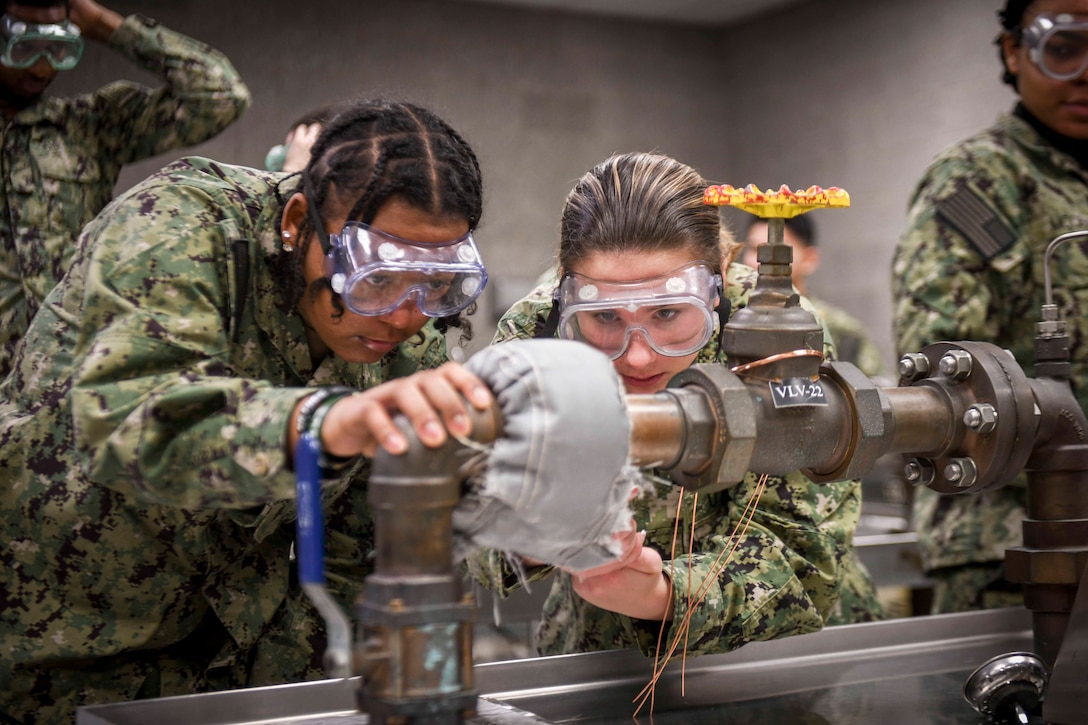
(973, 586)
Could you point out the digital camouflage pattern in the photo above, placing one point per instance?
(976, 586)
(147, 514)
(793, 571)
(62, 156)
(954, 280)
(853, 344)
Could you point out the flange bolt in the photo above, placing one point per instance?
(919, 472)
(981, 418)
(913, 366)
(960, 472)
(956, 364)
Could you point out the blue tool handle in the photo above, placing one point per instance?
(309, 534)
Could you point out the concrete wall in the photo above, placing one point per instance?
(856, 93)
(859, 94)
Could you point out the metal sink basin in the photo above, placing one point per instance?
(897, 671)
(909, 671)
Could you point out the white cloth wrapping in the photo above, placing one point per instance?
(556, 484)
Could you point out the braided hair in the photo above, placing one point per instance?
(373, 151)
(1011, 18)
(1013, 13)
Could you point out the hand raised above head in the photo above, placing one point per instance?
(299, 142)
(93, 20)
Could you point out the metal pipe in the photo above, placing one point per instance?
(1053, 557)
(657, 430)
(816, 437)
(414, 621)
(923, 420)
(1054, 243)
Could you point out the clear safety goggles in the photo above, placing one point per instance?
(25, 43)
(375, 272)
(674, 313)
(1058, 45)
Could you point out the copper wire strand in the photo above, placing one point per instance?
(649, 691)
(691, 555)
(684, 627)
(716, 568)
(672, 557)
(741, 369)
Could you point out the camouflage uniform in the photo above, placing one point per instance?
(793, 571)
(969, 266)
(852, 341)
(62, 156)
(147, 512)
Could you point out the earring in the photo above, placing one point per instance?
(287, 246)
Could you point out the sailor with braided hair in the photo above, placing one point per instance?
(403, 141)
(212, 313)
(970, 266)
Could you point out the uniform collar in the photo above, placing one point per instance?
(1077, 149)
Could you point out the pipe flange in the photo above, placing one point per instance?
(870, 416)
(982, 385)
(733, 439)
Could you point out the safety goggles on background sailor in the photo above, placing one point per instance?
(375, 272)
(1058, 45)
(674, 313)
(25, 43)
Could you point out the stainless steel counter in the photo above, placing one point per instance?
(897, 671)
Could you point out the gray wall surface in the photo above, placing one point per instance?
(858, 94)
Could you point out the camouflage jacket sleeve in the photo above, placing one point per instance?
(943, 288)
(166, 406)
(771, 573)
(202, 95)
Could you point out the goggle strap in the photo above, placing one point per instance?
(315, 218)
(551, 324)
(725, 310)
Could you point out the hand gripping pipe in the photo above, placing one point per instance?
(414, 643)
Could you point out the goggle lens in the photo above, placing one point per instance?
(437, 295)
(1058, 45)
(1065, 54)
(673, 313)
(375, 273)
(62, 55)
(672, 330)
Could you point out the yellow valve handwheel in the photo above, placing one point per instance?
(781, 204)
